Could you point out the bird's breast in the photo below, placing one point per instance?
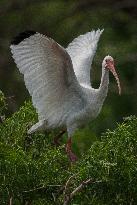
(86, 115)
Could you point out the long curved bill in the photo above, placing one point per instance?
(113, 70)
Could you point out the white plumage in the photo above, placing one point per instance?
(82, 50)
(58, 79)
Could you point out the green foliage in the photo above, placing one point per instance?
(3, 104)
(112, 164)
(26, 162)
(33, 171)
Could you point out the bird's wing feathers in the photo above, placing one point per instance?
(47, 69)
(81, 51)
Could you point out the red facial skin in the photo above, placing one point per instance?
(110, 66)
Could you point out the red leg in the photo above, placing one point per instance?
(69, 152)
(57, 138)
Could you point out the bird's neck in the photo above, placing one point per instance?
(103, 88)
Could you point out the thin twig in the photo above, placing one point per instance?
(54, 197)
(69, 197)
(10, 202)
(39, 188)
(66, 187)
(84, 183)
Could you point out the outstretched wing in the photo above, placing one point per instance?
(81, 51)
(47, 69)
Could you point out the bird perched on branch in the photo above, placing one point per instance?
(58, 80)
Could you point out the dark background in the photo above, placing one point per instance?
(63, 21)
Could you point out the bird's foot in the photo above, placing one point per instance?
(73, 158)
(56, 139)
(56, 142)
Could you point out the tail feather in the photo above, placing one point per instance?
(39, 126)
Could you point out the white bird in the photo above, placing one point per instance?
(58, 80)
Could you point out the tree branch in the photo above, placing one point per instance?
(42, 188)
(69, 197)
(67, 184)
(10, 202)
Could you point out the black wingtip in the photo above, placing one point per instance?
(22, 36)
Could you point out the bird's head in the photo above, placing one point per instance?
(108, 63)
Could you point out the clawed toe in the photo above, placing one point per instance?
(73, 158)
(56, 142)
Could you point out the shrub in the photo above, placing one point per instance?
(33, 171)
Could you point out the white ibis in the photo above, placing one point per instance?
(58, 80)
